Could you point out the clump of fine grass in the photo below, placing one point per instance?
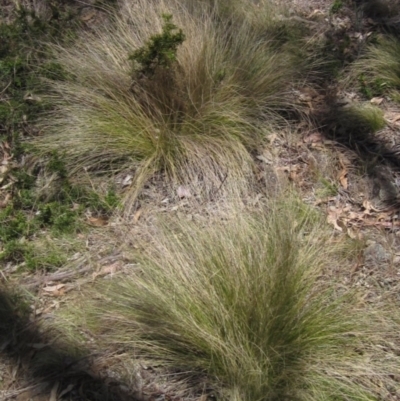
(201, 115)
(359, 120)
(378, 70)
(246, 302)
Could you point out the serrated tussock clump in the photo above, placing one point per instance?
(378, 70)
(246, 302)
(173, 87)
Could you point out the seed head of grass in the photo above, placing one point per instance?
(247, 303)
(205, 113)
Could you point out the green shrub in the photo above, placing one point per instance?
(160, 50)
(247, 303)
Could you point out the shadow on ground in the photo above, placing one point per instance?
(46, 365)
(375, 157)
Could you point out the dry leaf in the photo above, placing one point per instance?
(324, 200)
(367, 205)
(333, 216)
(264, 159)
(52, 288)
(88, 16)
(293, 176)
(127, 180)
(4, 168)
(109, 269)
(7, 185)
(55, 290)
(354, 234)
(55, 304)
(355, 216)
(376, 100)
(271, 138)
(136, 216)
(316, 12)
(392, 117)
(30, 97)
(97, 221)
(5, 201)
(385, 224)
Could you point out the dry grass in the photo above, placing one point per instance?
(379, 68)
(246, 302)
(203, 117)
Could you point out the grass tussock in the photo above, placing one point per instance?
(358, 121)
(246, 302)
(378, 71)
(203, 113)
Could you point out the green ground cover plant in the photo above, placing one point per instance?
(26, 213)
(247, 303)
(204, 90)
(57, 210)
(21, 240)
(21, 51)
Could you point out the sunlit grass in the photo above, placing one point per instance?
(360, 119)
(247, 302)
(202, 117)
